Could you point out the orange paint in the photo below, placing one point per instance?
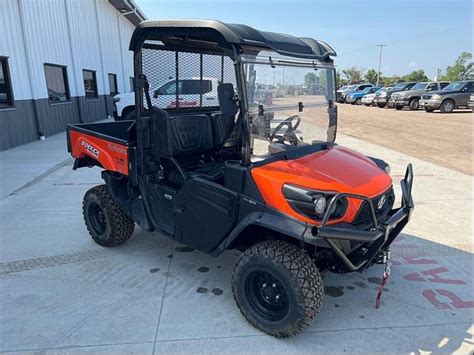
(336, 169)
(111, 156)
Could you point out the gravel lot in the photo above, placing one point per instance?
(444, 139)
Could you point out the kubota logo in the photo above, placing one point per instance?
(91, 149)
(382, 201)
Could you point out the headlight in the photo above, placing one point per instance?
(116, 99)
(383, 94)
(313, 204)
(320, 205)
(437, 97)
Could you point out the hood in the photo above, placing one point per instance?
(336, 169)
(442, 92)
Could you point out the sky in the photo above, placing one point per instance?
(420, 34)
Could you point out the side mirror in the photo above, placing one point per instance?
(156, 93)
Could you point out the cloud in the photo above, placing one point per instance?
(412, 64)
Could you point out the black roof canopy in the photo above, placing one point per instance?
(217, 36)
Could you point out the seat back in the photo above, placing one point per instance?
(179, 135)
(223, 121)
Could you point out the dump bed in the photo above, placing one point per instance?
(104, 144)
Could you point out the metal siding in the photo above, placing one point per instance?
(45, 28)
(11, 45)
(110, 43)
(63, 32)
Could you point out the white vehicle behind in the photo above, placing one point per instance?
(186, 93)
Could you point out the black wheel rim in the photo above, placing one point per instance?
(267, 296)
(97, 218)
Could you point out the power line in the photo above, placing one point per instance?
(380, 61)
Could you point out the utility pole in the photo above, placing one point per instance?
(380, 61)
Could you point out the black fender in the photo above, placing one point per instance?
(290, 227)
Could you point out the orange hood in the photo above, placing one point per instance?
(336, 169)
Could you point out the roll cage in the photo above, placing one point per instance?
(226, 40)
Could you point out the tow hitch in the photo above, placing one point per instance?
(385, 259)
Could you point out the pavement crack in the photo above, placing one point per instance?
(163, 299)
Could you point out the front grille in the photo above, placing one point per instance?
(363, 216)
(426, 97)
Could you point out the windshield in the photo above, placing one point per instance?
(419, 86)
(457, 85)
(399, 86)
(366, 91)
(292, 110)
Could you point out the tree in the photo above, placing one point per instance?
(416, 75)
(371, 76)
(339, 80)
(309, 80)
(461, 69)
(353, 75)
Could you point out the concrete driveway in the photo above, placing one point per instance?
(59, 291)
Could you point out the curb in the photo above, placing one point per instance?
(40, 177)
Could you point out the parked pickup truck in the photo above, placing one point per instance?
(382, 97)
(455, 95)
(411, 98)
(189, 90)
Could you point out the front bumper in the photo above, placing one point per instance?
(398, 102)
(429, 103)
(377, 238)
(380, 100)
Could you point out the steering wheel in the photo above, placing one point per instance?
(289, 134)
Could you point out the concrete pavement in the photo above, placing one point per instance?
(61, 292)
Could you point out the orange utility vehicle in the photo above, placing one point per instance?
(264, 177)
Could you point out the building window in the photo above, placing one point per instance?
(113, 84)
(6, 94)
(56, 83)
(132, 84)
(90, 84)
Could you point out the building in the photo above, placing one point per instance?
(61, 61)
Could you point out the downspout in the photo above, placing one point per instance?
(75, 73)
(29, 69)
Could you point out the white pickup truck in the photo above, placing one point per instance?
(189, 95)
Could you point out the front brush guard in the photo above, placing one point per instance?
(380, 234)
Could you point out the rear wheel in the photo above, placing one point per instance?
(399, 107)
(427, 109)
(277, 288)
(358, 101)
(414, 104)
(447, 106)
(381, 105)
(106, 222)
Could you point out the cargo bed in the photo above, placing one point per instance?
(103, 144)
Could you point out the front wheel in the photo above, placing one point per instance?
(358, 101)
(427, 109)
(398, 107)
(277, 287)
(381, 105)
(447, 106)
(414, 104)
(106, 222)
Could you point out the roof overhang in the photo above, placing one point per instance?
(129, 10)
(211, 33)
